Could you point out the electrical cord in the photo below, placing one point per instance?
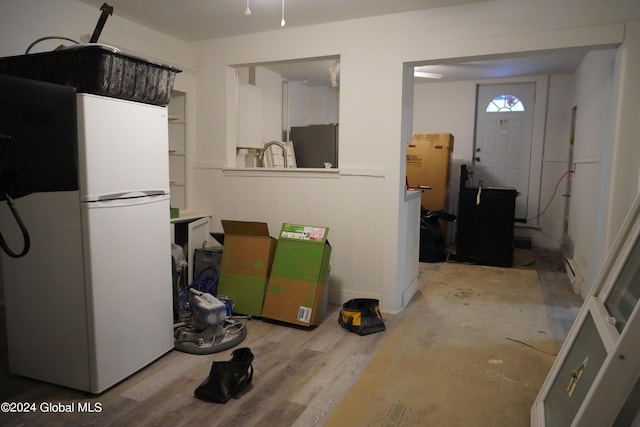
(25, 233)
(552, 196)
(48, 38)
(232, 327)
(5, 139)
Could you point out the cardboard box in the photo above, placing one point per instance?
(246, 264)
(298, 287)
(428, 158)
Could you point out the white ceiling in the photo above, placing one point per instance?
(557, 62)
(192, 20)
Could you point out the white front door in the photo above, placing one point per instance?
(504, 129)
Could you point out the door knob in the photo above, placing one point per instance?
(478, 149)
(477, 159)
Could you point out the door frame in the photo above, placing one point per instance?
(537, 139)
(566, 247)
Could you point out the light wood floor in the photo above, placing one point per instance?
(300, 375)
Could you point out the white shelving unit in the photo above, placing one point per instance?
(191, 231)
(178, 150)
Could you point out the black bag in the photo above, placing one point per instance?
(227, 379)
(362, 316)
(432, 244)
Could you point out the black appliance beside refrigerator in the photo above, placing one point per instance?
(315, 145)
(486, 217)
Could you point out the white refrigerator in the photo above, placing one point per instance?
(91, 303)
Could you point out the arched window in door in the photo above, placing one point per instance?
(504, 103)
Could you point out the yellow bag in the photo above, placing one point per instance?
(361, 316)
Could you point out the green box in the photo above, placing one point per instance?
(247, 257)
(297, 291)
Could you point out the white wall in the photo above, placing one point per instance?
(626, 152)
(297, 101)
(322, 105)
(606, 155)
(447, 107)
(555, 161)
(592, 162)
(364, 204)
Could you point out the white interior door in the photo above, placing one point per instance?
(504, 129)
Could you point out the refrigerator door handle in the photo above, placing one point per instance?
(125, 201)
(130, 195)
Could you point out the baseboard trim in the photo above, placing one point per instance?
(409, 292)
(573, 273)
(339, 297)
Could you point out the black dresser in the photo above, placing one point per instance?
(485, 224)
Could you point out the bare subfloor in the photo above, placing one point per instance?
(471, 349)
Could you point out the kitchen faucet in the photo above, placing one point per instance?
(267, 145)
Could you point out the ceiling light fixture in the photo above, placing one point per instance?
(247, 12)
(282, 23)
